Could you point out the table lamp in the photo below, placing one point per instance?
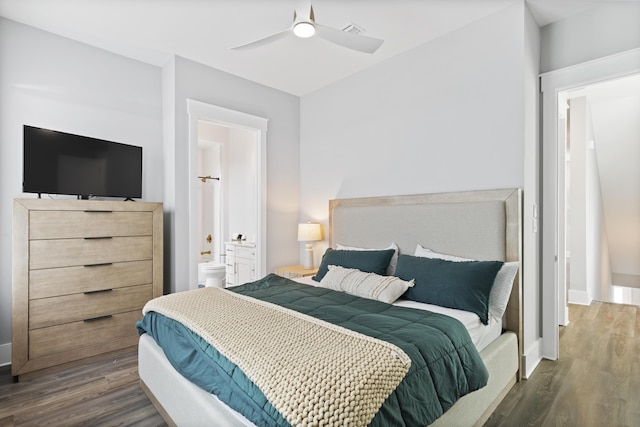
(309, 232)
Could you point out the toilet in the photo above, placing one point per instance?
(212, 274)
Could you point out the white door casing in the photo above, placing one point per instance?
(552, 84)
(197, 111)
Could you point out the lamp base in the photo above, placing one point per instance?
(308, 256)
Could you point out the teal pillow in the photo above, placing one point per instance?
(367, 261)
(464, 285)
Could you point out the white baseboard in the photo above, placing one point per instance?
(5, 354)
(532, 357)
(579, 297)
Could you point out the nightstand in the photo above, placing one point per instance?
(293, 271)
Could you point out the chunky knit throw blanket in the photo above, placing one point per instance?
(313, 372)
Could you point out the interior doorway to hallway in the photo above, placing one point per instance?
(601, 172)
(553, 290)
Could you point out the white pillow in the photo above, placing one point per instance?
(394, 259)
(367, 285)
(501, 290)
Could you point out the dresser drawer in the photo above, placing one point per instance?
(76, 335)
(96, 223)
(53, 282)
(245, 252)
(71, 308)
(75, 252)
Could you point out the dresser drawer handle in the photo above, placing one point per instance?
(97, 211)
(104, 264)
(98, 238)
(95, 319)
(100, 291)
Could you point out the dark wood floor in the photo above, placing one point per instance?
(103, 393)
(596, 382)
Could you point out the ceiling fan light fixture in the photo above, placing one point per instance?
(304, 29)
(304, 26)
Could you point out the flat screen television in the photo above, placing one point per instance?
(62, 163)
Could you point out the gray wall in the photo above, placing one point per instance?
(450, 115)
(185, 79)
(55, 83)
(531, 296)
(610, 28)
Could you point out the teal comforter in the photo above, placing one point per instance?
(445, 364)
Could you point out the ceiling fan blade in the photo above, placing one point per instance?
(357, 42)
(263, 41)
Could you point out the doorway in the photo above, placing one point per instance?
(238, 141)
(602, 206)
(553, 242)
(619, 157)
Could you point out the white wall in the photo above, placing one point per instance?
(56, 83)
(531, 295)
(577, 290)
(445, 116)
(185, 79)
(590, 262)
(597, 245)
(615, 110)
(242, 191)
(212, 139)
(450, 115)
(209, 199)
(53, 82)
(609, 28)
(598, 255)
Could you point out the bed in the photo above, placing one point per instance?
(478, 225)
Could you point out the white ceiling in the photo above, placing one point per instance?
(203, 31)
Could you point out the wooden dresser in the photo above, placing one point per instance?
(82, 270)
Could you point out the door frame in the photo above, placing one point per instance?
(198, 111)
(552, 83)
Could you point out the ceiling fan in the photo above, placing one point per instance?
(304, 25)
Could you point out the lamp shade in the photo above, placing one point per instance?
(309, 232)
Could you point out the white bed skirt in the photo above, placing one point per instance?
(188, 405)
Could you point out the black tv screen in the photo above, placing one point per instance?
(62, 163)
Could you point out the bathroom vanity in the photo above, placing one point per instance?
(240, 262)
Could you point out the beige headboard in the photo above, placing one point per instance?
(484, 225)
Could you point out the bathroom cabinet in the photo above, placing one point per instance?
(82, 271)
(240, 262)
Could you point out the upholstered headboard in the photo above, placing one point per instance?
(484, 225)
